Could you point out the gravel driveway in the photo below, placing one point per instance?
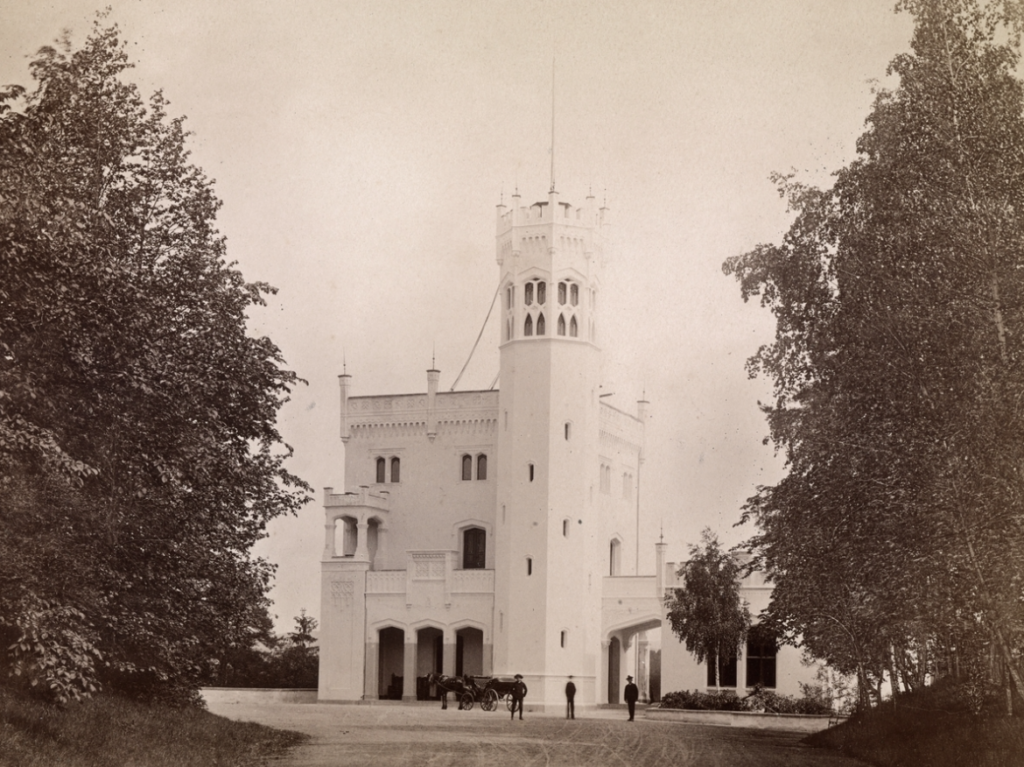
(417, 734)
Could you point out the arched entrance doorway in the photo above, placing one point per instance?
(390, 663)
(429, 659)
(469, 652)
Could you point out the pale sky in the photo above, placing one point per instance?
(360, 148)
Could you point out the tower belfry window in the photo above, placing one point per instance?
(541, 292)
(574, 330)
(574, 294)
(561, 292)
(528, 326)
(540, 323)
(528, 293)
(381, 468)
(561, 324)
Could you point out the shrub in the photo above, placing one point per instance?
(760, 700)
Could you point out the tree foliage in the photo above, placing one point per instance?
(139, 457)
(707, 613)
(896, 540)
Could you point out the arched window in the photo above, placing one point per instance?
(561, 292)
(574, 294)
(474, 548)
(568, 430)
(481, 466)
(561, 324)
(541, 294)
(528, 327)
(540, 323)
(528, 293)
(467, 467)
(565, 528)
(381, 469)
(562, 638)
(396, 466)
(574, 330)
(614, 557)
(508, 299)
(529, 565)
(531, 472)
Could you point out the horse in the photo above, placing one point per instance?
(449, 684)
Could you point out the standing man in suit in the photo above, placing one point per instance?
(570, 699)
(518, 693)
(631, 694)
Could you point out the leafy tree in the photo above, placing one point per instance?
(139, 456)
(896, 540)
(707, 613)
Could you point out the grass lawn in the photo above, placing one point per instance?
(908, 737)
(109, 732)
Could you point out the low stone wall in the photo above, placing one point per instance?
(257, 695)
(795, 722)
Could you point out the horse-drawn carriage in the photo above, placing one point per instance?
(470, 690)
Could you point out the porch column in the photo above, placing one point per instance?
(448, 653)
(409, 666)
(362, 550)
(602, 673)
(371, 669)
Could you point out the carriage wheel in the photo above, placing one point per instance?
(490, 701)
(508, 702)
(466, 701)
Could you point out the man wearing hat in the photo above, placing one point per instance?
(631, 694)
(570, 699)
(518, 693)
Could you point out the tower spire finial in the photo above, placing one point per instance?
(552, 123)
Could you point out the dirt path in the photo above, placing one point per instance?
(394, 736)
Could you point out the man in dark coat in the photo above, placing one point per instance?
(518, 693)
(570, 699)
(631, 694)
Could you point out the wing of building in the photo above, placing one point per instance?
(494, 532)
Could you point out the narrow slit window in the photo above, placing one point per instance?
(381, 468)
(529, 565)
(531, 472)
(568, 430)
(467, 467)
(396, 469)
(565, 528)
(481, 467)
(561, 639)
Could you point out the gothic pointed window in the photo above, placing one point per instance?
(467, 467)
(528, 326)
(574, 330)
(541, 293)
(574, 294)
(561, 292)
(481, 466)
(381, 469)
(396, 466)
(561, 324)
(540, 323)
(528, 293)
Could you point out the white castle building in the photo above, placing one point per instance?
(488, 532)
